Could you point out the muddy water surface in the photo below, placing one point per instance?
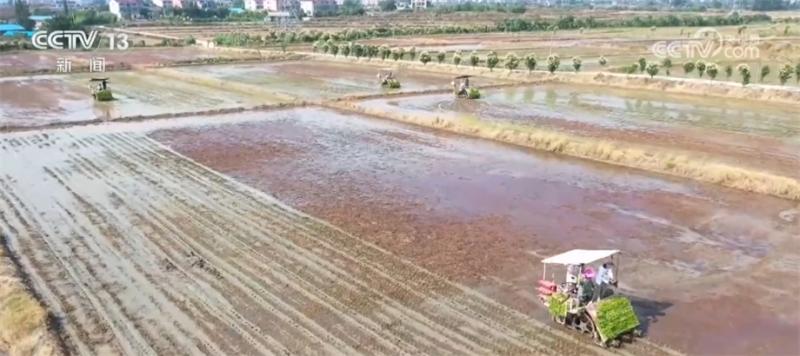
(484, 214)
(749, 133)
(29, 61)
(35, 101)
(317, 79)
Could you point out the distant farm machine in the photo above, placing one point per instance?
(585, 300)
(462, 88)
(100, 90)
(387, 79)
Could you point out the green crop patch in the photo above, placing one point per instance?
(474, 93)
(392, 84)
(615, 316)
(104, 95)
(558, 305)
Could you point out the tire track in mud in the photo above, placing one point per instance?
(189, 248)
(84, 145)
(231, 313)
(13, 224)
(156, 299)
(97, 323)
(88, 317)
(141, 250)
(68, 243)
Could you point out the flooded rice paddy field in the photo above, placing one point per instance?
(764, 136)
(322, 80)
(711, 270)
(138, 244)
(137, 249)
(41, 100)
(45, 99)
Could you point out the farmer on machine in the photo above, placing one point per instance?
(603, 278)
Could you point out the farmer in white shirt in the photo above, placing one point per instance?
(603, 278)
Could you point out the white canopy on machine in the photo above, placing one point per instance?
(576, 257)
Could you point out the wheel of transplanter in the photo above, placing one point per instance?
(584, 324)
(615, 343)
(638, 332)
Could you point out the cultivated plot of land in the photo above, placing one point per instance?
(744, 133)
(484, 214)
(41, 100)
(321, 79)
(138, 250)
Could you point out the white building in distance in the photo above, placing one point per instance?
(163, 4)
(254, 5)
(126, 9)
(313, 7)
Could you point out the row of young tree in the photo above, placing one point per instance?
(491, 60)
(552, 63)
(712, 70)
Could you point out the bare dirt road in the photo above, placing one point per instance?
(138, 250)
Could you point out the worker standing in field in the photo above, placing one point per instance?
(603, 278)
